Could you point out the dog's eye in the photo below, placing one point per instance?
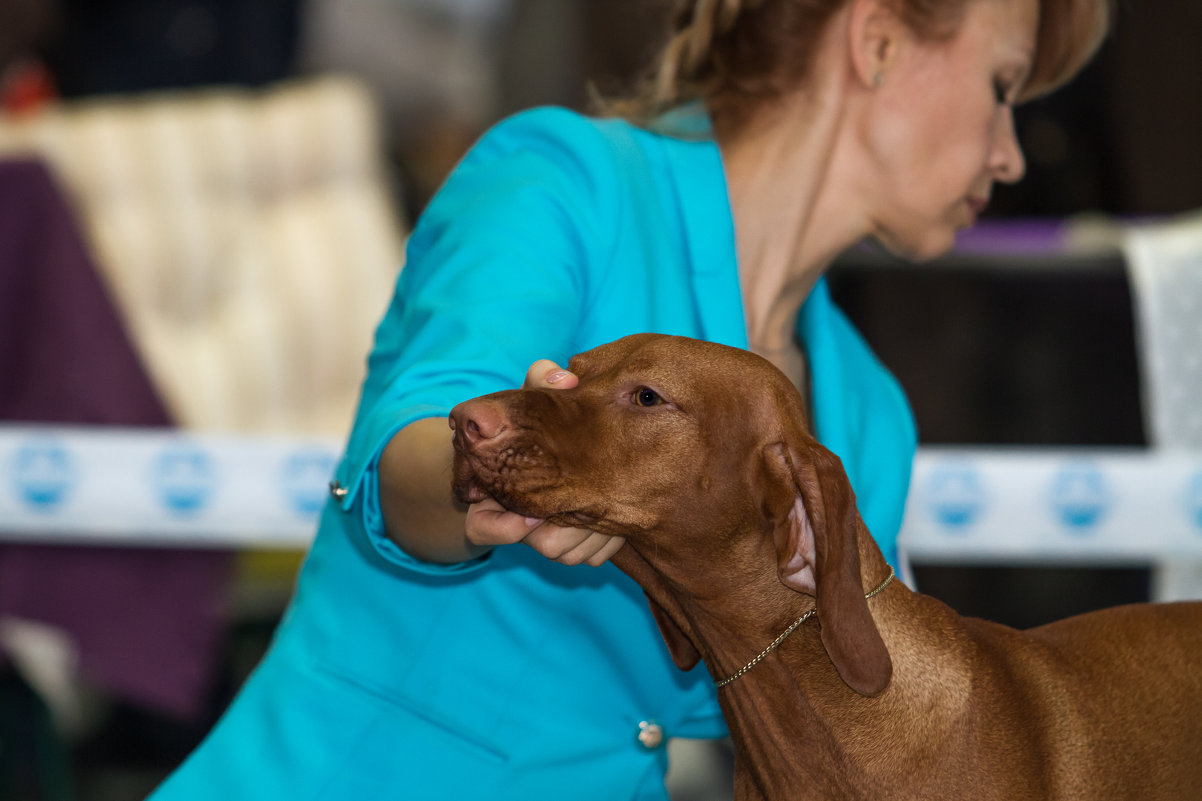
(647, 397)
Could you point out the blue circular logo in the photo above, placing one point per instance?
(1193, 500)
(1081, 496)
(305, 478)
(184, 479)
(43, 473)
(956, 496)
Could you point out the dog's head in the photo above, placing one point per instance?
(699, 455)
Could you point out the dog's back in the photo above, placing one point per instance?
(1112, 699)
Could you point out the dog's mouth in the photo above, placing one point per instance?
(473, 488)
(514, 477)
(523, 484)
(468, 491)
(472, 479)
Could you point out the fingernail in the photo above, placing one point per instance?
(556, 377)
(533, 521)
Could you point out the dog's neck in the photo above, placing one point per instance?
(773, 708)
(794, 695)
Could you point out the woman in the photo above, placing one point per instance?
(424, 656)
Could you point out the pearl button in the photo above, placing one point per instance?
(651, 735)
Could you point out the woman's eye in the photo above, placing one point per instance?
(1001, 92)
(647, 397)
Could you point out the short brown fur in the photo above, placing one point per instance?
(738, 521)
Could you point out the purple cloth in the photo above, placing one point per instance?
(146, 621)
(1029, 237)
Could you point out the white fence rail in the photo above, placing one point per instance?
(1054, 505)
(161, 487)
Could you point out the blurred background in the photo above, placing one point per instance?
(203, 205)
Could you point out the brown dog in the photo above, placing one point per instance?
(738, 523)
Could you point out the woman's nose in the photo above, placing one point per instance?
(1006, 159)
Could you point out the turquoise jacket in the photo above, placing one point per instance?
(512, 676)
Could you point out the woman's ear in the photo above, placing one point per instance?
(874, 34)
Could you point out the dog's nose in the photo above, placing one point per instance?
(478, 420)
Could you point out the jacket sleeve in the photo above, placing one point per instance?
(497, 274)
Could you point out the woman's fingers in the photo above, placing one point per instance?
(606, 551)
(573, 546)
(489, 523)
(546, 373)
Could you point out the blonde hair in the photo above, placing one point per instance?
(737, 54)
(1070, 32)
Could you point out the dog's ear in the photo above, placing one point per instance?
(817, 553)
(784, 508)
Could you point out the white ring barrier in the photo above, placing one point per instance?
(1053, 505)
(109, 485)
(137, 486)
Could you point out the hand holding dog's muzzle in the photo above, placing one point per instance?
(489, 523)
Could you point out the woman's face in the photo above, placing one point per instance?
(945, 130)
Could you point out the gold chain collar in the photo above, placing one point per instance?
(776, 643)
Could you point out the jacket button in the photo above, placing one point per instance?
(651, 735)
(338, 491)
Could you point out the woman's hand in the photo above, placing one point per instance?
(488, 523)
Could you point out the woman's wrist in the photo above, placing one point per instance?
(420, 514)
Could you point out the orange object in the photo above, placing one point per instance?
(25, 86)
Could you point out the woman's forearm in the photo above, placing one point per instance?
(420, 514)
